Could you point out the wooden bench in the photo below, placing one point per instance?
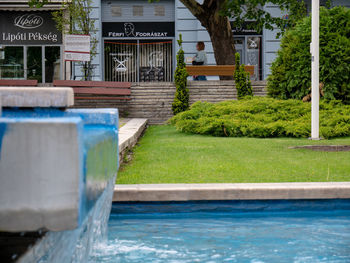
(218, 70)
(18, 82)
(97, 90)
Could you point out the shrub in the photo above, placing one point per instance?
(181, 100)
(242, 80)
(263, 117)
(291, 71)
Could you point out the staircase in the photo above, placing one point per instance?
(152, 100)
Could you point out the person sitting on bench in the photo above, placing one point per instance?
(200, 59)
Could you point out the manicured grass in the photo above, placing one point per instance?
(165, 155)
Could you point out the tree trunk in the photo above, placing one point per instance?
(222, 40)
(218, 27)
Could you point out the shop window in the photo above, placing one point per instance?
(159, 10)
(11, 63)
(139, 61)
(26, 62)
(116, 10)
(137, 10)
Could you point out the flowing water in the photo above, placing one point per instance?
(320, 235)
(75, 245)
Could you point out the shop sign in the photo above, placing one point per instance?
(246, 28)
(23, 28)
(77, 47)
(138, 29)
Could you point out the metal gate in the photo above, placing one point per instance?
(138, 60)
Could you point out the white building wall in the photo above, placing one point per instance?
(270, 43)
(192, 32)
(97, 59)
(126, 9)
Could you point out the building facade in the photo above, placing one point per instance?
(136, 41)
(30, 44)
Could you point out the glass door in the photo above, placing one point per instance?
(253, 54)
(239, 45)
(52, 63)
(34, 63)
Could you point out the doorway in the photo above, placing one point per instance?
(239, 45)
(250, 50)
(138, 60)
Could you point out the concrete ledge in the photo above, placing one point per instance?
(41, 173)
(105, 116)
(254, 191)
(129, 134)
(36, 97)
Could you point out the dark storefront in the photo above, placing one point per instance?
(138, 51)
(30, 46)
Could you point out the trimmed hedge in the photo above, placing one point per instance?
(291, 71)
(263, 118)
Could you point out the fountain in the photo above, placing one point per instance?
(58, 167)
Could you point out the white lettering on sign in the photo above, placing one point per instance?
(14, 37)
(41, 37)
(151, 34)
(29, 36)
(28, 21)
(139, 34)
(115, 34)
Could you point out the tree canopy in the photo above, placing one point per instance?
(242, 10)
(217, 15)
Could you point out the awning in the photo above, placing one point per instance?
(21, 5)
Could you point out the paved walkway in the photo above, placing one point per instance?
(123, 121)
(129, 132)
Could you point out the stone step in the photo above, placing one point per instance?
(153, 100)
(189, 87)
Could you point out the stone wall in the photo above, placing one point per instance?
(153, 100)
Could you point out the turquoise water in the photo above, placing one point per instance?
(227, 235)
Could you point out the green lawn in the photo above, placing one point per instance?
(167, 156)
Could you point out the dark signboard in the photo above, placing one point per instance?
(138, 29)
(246, 28)
(28, 28)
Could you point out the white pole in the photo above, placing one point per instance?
(315, 54)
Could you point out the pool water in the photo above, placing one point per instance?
(228, 235)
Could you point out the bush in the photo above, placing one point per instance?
(182, 97)
(263, 117)
(291, 71)
(242, 81)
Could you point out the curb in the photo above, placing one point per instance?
(129, 135)
(253, 191)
